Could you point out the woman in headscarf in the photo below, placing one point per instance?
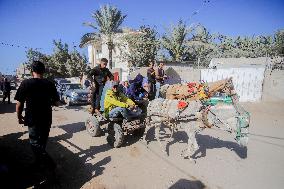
(136, 92)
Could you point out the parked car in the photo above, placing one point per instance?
(1, 94)
(60, 81)
(73, 93)
(13, 85)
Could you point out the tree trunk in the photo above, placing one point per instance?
(110, 55)
(198, 62)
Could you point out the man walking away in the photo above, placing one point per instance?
(160, 78)
(6, 90)
(39, 94)
(151, 75)
(100, 75)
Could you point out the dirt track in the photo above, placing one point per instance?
(87, 162)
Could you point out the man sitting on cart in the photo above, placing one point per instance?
(116, 104)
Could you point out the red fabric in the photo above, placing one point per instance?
(190, 85)
(182, 104)
(116, 76)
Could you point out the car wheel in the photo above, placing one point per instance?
(68, 101)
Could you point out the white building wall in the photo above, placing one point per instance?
(117, 61)
(90, 54)
(247, 81)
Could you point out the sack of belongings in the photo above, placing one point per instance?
(196, 91)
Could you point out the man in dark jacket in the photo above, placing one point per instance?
(6, 87)
(39, 94)
(100, 75)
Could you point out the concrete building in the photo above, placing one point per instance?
(99, 50)
(23, 72)
(240, 62)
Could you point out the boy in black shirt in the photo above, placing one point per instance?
(39, 94)
(100, 75)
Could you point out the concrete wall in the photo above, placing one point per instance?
(247, 81)
(251, 83)
(273, 88)
(182, 74)
(176, 74)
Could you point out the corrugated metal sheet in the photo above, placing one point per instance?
(247, 81)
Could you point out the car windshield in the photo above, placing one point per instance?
(63, 81)
(73, 86)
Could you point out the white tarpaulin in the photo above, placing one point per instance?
(247, 81)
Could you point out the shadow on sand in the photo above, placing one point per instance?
(208, 142)
(7, 108)
(188, 184)
(73, 169)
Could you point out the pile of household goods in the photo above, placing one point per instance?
(208, 92)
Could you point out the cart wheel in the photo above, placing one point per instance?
(139, 132)
(115, 135)
(92, 126)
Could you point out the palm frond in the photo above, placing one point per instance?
(90, 24)
(89, 38)
(109, 19)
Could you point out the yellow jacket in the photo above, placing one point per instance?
(112, 101)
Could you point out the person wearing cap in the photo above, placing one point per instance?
(100, 75)
(116, 104)
(39, 95)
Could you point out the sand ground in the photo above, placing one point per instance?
(89, 162)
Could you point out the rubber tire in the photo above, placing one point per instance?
(115, 136)
(139, 132)
(68, 103)
(93, 126)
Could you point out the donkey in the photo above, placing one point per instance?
(191, 116)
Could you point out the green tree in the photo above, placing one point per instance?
(142, 46)
(77, 64)
(256, 46)
(279, 42)
(108, 19)
(59, 59)
(201, 46)
(174, 41)
(35, 55)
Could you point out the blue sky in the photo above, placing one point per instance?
(35, 23)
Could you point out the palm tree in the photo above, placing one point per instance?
(107, 22)
(174, 41)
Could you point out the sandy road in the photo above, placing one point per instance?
(89, 162)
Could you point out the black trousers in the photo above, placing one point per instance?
(38, 135)
(6, 94)
(152, 91)
(96, 97)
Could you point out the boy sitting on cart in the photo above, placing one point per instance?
(116, 104)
